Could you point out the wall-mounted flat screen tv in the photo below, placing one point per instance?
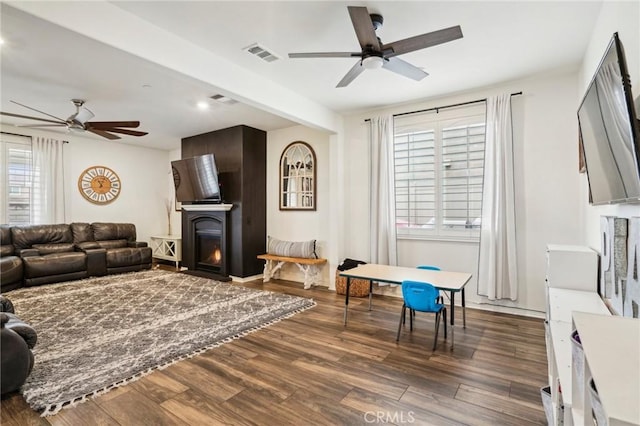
(196, 179)
(610, 132)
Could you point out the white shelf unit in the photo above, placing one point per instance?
(611, 350)
(167, 247)
(563, 304)
(571, 286)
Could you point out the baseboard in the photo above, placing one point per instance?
(506, 310)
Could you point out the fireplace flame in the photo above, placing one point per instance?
(215, 257)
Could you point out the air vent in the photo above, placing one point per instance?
(224, 99)
(262, 52)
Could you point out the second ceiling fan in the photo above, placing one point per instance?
(79, 122)
(375, 54)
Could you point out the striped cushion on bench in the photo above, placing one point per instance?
(306, 249)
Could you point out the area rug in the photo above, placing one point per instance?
(100, 333)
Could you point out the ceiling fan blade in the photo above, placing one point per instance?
(124, 131)
(104, 125)
(42, 125)
(364, 27)
(103, 134)
(401, 67)
(36, 110)
(326, 55)
(422, 41)
(32, 118)
(355, 71)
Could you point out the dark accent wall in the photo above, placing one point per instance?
(240, 153)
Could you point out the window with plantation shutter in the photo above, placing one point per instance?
(15, 179)
(438, 162)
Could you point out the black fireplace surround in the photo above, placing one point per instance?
(204, 241)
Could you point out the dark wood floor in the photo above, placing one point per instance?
(311, 370)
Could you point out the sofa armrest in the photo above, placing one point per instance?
(136, 244)
(22, 328)
(96, 262)
(29, 252)
(6, 305)
(87, 245)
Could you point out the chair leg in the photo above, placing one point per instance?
(435, 339)
(444, 312)
(411, 320)
(404, 308)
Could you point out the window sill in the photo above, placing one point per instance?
(440, 238)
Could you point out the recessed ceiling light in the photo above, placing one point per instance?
(203, 105)
(1, 41)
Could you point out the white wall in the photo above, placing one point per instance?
(300, 225)
(547, 182)
(144, 174)
(624, 18)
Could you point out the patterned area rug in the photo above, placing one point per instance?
(101, 333)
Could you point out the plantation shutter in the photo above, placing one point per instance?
(15, 179)
(439, 160)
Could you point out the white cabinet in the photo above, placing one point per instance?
(572, 267)
(167, 247)
(563, 304)
(572, 273)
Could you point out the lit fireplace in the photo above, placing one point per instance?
(209, 250)
(204, 245)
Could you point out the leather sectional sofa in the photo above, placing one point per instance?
(42, 254)
(17, 339)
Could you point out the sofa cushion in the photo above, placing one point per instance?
(26, 236)
(81, 232)
(112, 244)
(6, 247)
(54, 264)
(53, 248)
(6, 250)
(113, 231)
(10, 272)
(120, 257)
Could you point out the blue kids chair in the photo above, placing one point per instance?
(422, 297)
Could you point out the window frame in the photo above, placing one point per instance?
(436, 122)
(9, 141)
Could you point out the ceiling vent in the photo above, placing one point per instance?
(262, 52)
(224, 99)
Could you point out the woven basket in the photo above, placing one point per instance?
(358, 287)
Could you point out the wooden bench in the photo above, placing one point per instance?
(273, 263)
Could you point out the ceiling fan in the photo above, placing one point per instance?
(375, 54)
(79, 122)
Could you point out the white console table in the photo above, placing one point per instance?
(167, 247)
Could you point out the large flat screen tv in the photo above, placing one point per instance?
(610, 132)
(196, 179)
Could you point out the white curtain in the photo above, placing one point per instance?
(382, 204)
(47, 194)
(497, 270)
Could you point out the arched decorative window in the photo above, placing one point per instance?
(298, 177)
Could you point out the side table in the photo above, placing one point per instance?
(167, 247)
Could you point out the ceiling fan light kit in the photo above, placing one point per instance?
(79, 122)
(372, 62)
(374, 54)
(82, 114)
